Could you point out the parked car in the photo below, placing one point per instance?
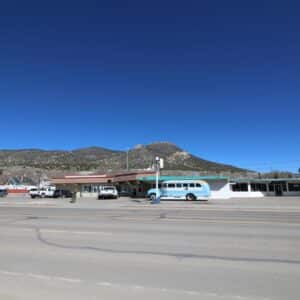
(108, 192)
(62, 194)
(42, 192)
(3, 193)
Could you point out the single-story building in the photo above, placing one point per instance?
(136, 184)
(88, 185)
(254, 187)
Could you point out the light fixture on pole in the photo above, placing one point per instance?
(158, 164)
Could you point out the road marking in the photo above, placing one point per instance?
(219, 221)
(39, 276)
(134, 288)
(70, 280)
(104, 283)
(109, 233)
(192, 293)
(76, 232)
(138, 287)
(9, 273)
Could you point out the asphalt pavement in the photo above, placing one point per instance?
(243, 250)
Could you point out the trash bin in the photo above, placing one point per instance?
(74, 194)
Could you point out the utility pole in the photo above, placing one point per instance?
(127, 160)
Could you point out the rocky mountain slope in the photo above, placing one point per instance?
(101, 159)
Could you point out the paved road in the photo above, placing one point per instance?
(141, 253)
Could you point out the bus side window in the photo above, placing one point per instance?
(171, 185)
(185, 186)
(198, 185)
(179, 185)
(192, 185)
(164, 185)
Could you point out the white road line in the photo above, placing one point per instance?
(134, 288)
(107, 284)
(58, 231)
(39, 276)
(76, 232)
(9, 273)
(69, 280)
(139, 288)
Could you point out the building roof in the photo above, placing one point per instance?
(263, 179)
(101, 178)
(167, 178)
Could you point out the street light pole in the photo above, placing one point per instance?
(127, 160)
(157, 180)
(158, 164)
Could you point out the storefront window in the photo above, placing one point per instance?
(239, 187)
(294, 187)
(258, 187)
(87, 188)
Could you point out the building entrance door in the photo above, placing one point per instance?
(278, 189)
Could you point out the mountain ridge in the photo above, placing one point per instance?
(96, 158)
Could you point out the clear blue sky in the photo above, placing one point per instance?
(219, 78)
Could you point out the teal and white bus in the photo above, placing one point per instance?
(182, 190)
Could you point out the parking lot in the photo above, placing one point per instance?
(129, 249)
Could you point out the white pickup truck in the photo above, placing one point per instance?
(42, 192)
(108, 192)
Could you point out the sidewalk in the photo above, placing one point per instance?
(271, 203)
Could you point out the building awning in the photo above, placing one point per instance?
(81, 180)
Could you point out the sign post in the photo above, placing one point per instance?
(159, 164)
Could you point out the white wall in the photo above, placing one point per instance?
(219, 189)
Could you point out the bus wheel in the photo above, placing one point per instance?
(152, 197)
(190, 197)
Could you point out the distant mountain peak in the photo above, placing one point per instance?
(167, 143)
(138, 146)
